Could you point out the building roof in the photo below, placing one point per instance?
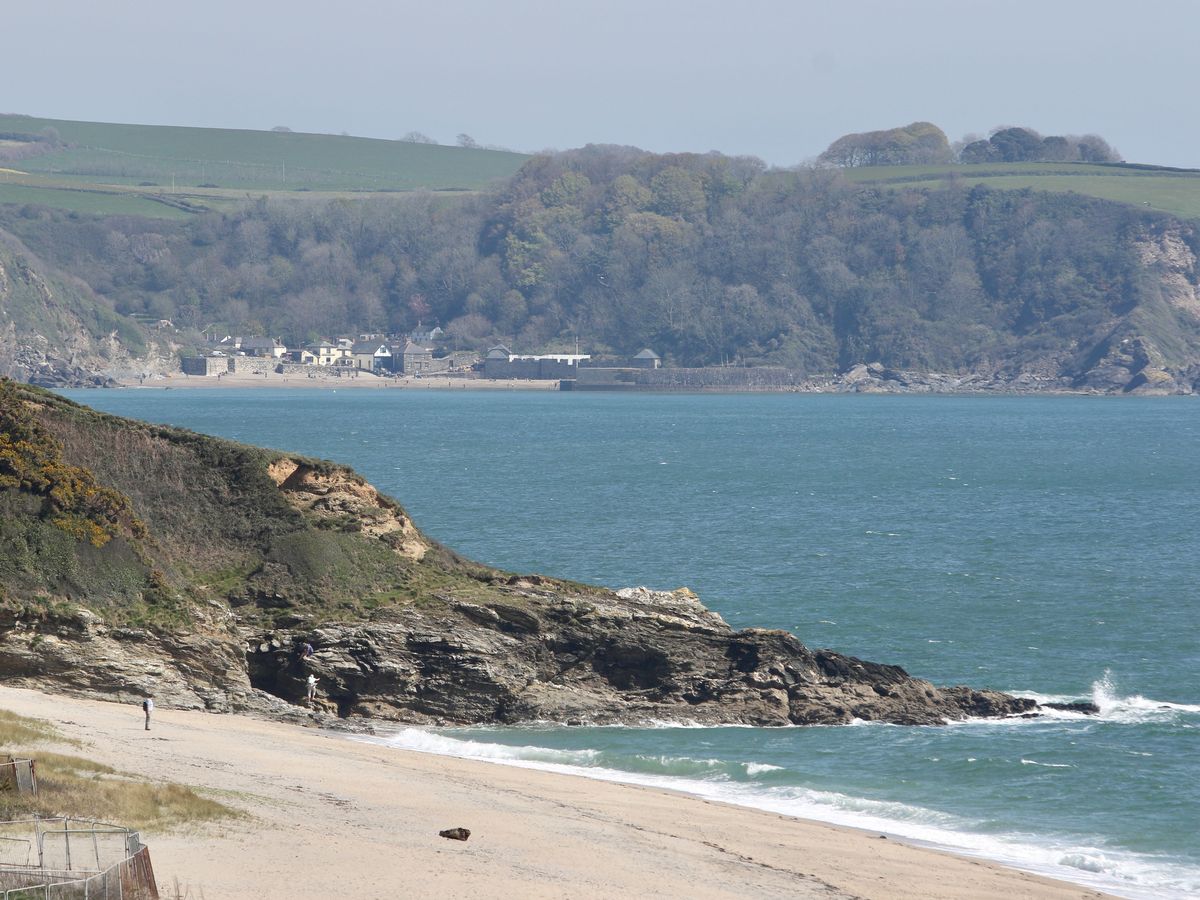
(260, 343)
(411, 348)
(647, 354)
(370, 347)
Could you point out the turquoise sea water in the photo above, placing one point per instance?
(1044, 546)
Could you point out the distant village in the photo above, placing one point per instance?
(419, 354)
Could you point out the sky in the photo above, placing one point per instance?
(775, 79)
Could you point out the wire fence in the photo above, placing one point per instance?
(73, 859)
(18, 775)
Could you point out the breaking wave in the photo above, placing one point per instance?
(763, 786)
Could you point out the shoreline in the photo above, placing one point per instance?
(368, 381)
(336, 816)
(365, 381)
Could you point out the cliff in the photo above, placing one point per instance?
(138, 558)
(55, 331)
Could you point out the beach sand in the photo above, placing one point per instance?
(350, 381)
(327, 816)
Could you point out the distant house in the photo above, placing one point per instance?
(432, 336)
(415, 359)
(262, 346)
(646, 359)
(499, 352)
(371, 356)
(324, 353)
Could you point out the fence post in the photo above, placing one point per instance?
(66, 843)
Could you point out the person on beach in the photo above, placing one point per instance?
(312, 689)
(148, 708)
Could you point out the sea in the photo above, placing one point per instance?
(1044, 546)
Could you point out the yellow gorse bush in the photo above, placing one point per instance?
(31, 461)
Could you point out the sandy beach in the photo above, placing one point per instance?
(325, 815)
(351, 381)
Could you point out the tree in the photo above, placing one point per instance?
(417, 137)
(465, 140)
(1093, 148)
(1017, 144)
(920, 143)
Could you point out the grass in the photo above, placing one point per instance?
(1174, 191)
(94, 202)
(255, 160)
(82, 788)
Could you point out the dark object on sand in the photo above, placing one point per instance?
(456, 834)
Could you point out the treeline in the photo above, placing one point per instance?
(705, 258)
(923, 143)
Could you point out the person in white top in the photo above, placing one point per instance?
(312, 687)
(147, 708)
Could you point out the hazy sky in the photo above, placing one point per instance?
(772, 78)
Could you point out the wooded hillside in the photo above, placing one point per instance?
(708, 259)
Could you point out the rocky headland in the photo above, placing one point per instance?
(140, 559)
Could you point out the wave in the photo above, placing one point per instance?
(1133, 709)
(1104, 868)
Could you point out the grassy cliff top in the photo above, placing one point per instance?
(146, 524)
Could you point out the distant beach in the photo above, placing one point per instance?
(329, 816)
(356, 381)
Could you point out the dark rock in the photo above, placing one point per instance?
(1080, 706)
(455, 834)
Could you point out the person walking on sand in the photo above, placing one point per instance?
(312, 688)
(147, 708)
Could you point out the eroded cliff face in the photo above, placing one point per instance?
(1168, 254)
(339, 495)
(1153, 349)
(56, 331)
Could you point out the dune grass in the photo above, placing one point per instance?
(81, 788)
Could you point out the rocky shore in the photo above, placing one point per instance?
(536, 653)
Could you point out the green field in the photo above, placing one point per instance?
(227, 164)
(165, 171)
(97, 202)
(1170, 190)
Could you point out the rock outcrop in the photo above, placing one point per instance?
(538, 652)
(204, 587)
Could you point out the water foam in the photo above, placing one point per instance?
(1125, 873)
(753, 768)
(1113, 707)
(1135, 708)
(1034, 762)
